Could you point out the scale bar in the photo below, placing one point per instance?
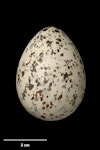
(24, 140)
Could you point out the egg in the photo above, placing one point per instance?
(50, 78)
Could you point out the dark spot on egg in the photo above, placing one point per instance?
(58, 50)
(43, 103)
(74, 99)
(23, 96)
(54, 70)
(50, 84)
(45, 68)
(66, 81)
(18, 77)
(56, 30)
(30, 86)
(56, 116)
(32, 98)
(50, 107)
(47, 105)
(54, 75)
(49, 43)
(80, 61)
(62, 54)
(68, 67)
(27, 63)
(65, 75)
(41, 98)
(31, 54)
(46, 81)
(60, 97)
(52, 52)
(58, 40)
(45, 74)
(31, 45)
(70, 80)
(74, 96)
(62, 74)
(40, 60)
(64, 86)
(51, 103)
(39, 92)
(45, 29)
(43, 116)
(43, 107)
(34, 64)
(74, 55)
(71, 86)
(41, 54)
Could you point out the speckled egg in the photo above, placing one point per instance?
(50, 78)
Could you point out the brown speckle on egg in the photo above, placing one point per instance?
(40, 60)
(47, 105)
(49, 43)
(55, 96)
(45, 81)
(38, 83)
(52, 52)
(50, 107)
(62, 54)
(50, 84)
(65, 75)
(54, 75)
(30, 86)
(32, 98)
(56, 30)
(74, 55)
(70, 80)
(18, 77)
(80, 61)
(43, 107)
(39, 92)
(23, 73)
(45, 73)
(43, 116)
(41, 98)
(71, 86)
(43, 103)
(51, 103)
(45, 29)
(51, 114)
(60, 97)
(58, 50)
(34, 66)
(45, 68)
(31, 54)
(58, 40)
(74, 99)
(64, 86)
(69, 89)
(23, 95)
(27, 63)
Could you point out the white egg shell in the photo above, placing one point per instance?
(50, 79)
